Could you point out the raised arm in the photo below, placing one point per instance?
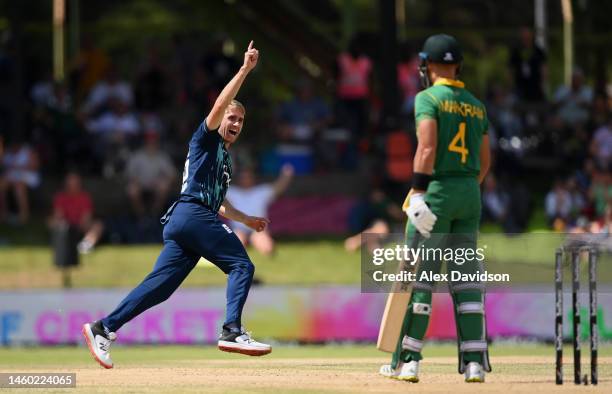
(281, 184)
(214, 118)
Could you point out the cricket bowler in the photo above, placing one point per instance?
(450, 162)
(192, 229)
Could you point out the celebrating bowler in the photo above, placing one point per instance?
(192, 229)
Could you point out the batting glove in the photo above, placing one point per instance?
(420, 215)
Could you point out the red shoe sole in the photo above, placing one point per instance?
(91, 350)
(245, 351)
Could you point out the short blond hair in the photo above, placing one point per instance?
(237, 104)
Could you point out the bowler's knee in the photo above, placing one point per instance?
(250, 267)
(239, 264)
(246, 267)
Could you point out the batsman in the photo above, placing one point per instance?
(444, 208)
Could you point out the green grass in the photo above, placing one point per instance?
(527, 257)
(306, 263)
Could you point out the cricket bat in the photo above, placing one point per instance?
(396, 306)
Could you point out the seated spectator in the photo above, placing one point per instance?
(116, 125)
(303, 116)
(558, 206)
(60, 99)
(116, 131)
(372, 216)
(597, 232)
(576, 196)
(150, 175)
(106, 90)
(600, 111)
(601, 145)
(600, 193)
(582, 226)
(255, 199)
(300, 122)
(495, 203)
(42, 91)
(152, 123)
(603, 225)
(501, 112)
(20, 175)
(73, 207)
(573, 102)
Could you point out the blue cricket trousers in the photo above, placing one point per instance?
(192, 230)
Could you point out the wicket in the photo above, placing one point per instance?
(575, 253)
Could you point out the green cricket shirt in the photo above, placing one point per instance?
(462, 122)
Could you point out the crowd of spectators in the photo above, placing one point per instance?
(567, 132)
(108, 122)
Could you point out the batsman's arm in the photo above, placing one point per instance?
(425, 156)
(229, 92)
(228, 211)
(485, 158)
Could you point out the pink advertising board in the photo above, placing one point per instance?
(280, 313)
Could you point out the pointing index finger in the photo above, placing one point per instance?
(250, 45)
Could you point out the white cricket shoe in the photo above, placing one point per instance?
(408, 372)
(474, 373)
(99, 341)
(241, 342)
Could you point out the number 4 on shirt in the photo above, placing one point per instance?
(457, 145)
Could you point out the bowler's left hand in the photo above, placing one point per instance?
(256, 223)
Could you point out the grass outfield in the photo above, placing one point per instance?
(306, 263)
(526, 257)
(295, 369)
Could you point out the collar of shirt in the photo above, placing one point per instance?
(449, 82)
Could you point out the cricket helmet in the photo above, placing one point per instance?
(439, 48)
